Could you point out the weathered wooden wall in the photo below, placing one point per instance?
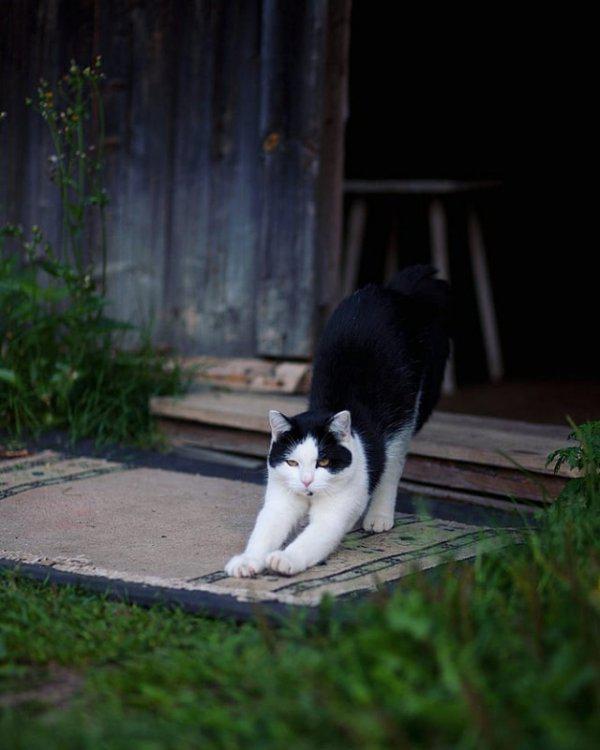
(225, 154)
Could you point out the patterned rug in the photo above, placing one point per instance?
(107, 520)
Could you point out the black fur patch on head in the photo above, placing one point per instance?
(315, 424)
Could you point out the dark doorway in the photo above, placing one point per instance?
(429, 99)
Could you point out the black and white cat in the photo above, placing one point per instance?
(377, 376)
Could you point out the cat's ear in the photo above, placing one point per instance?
(279, 423)
(341, 424)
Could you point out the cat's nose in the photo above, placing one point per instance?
(307, 479)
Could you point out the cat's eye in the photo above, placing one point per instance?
(291, 462)
(323, 462)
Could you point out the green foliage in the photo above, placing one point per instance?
(61, 363)
(501, 654)
(583, 458)
(62, 359)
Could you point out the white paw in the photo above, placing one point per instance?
(378, 522)
(244, 566)
(283, 563)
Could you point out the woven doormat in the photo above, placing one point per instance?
(163, 534)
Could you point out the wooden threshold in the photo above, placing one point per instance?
(489, 486)
(453, 457)
(486, 441)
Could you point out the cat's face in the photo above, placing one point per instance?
(311, 453)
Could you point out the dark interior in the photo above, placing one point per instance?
(428, 101)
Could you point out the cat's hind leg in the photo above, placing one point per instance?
(380, 514)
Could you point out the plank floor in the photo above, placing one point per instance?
(487, 441)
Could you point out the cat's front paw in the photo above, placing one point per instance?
(284, 563)
(244, 566)
(378, 522)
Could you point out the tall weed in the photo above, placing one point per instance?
(62, 359)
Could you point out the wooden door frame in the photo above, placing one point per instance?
(331, 183)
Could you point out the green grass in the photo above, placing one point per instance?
(504, 654)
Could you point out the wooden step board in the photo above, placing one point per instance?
(248, 374)
(456, 453)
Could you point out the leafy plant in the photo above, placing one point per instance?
(583, 458)
(74, 113)
(578, 457)
(63, 363)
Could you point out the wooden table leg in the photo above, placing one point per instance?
(357, 221)
(485, 300)
(438, 232)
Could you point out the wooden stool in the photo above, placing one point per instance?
(438, 234)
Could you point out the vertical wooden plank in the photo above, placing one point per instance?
(15, 33)
(137, 44)
(185, 266)
(113, 39)
(215, 192)
(234, 189)
(331, 285)
(292, 71)
(29, 52)
(41, 198)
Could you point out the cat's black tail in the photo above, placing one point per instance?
(428, 299)
(419, 283)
